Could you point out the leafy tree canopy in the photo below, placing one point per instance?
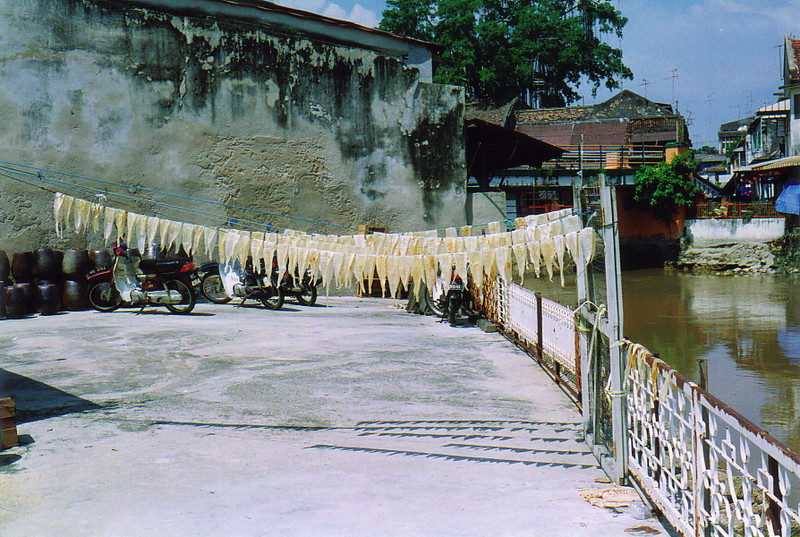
(708, 150)
(666, 185)
(498, 49)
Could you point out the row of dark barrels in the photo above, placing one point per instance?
(47, 281)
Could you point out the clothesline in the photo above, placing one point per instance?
(540, 241)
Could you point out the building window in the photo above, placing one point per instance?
(796, 106)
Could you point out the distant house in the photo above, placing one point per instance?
(791, 92)
(713, 168)
(731, 137)
(766, 159)
(615, 137)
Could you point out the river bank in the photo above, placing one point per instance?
(780, 256)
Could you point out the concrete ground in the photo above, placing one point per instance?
(355, 419)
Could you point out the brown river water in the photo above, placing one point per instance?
(747, 328)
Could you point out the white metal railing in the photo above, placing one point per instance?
(520, 312)
(558, 334)
(709, 470)
(543, 327)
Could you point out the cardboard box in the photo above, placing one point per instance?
(8, 424)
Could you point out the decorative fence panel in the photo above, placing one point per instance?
(708, 469)
(544, 328)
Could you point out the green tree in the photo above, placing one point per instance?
(708, 150)
(665, 186)
(498, 49)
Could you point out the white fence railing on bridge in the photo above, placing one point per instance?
(708, 469)
(543, 327)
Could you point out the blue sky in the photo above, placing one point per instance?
(726, 53)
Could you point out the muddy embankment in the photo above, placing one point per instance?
(780, 256)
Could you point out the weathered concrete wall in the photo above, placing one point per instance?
(485, 207)
(220, 110)
(709, 232)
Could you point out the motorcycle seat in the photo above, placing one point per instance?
(160, 266)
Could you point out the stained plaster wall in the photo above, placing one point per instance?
(220, 110)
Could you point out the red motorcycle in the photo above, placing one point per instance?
(140, 282)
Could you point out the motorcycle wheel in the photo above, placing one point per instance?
(188, 300)
(212, 289)
(272, 298)
(104, 297)
(307, 296)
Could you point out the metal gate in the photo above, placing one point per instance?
(599, 320)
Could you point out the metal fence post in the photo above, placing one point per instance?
(619, 411)
(773, 508)
(539, 335)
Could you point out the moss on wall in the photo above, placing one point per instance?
(228, 111)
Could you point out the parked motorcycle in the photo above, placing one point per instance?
(246, 282)
(207, 282)
(450, 300)
(142, 282)
(303, 289)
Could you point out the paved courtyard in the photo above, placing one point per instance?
(349, 419)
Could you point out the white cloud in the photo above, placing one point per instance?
(306, 5)
(364, 16)
(783, 14)
(334, 11)
(359, 14)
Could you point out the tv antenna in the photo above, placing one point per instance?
(645, 83)
(673, 76)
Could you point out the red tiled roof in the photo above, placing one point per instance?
(573, 113)
(571, 134)
(497, 115)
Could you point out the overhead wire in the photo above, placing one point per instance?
(179, 196)
(95, 192)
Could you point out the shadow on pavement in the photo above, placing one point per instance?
(37, 401)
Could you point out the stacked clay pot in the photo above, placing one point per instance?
(15, 300)
(46, 286)
(100, 260)
(75, 267)
(18, 297)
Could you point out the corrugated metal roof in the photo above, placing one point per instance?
(786, 162)
(781, 107)
(303, 18)
(271, 6)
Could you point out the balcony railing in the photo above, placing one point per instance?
(526, 210)
(737, 210)
(607, 157)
